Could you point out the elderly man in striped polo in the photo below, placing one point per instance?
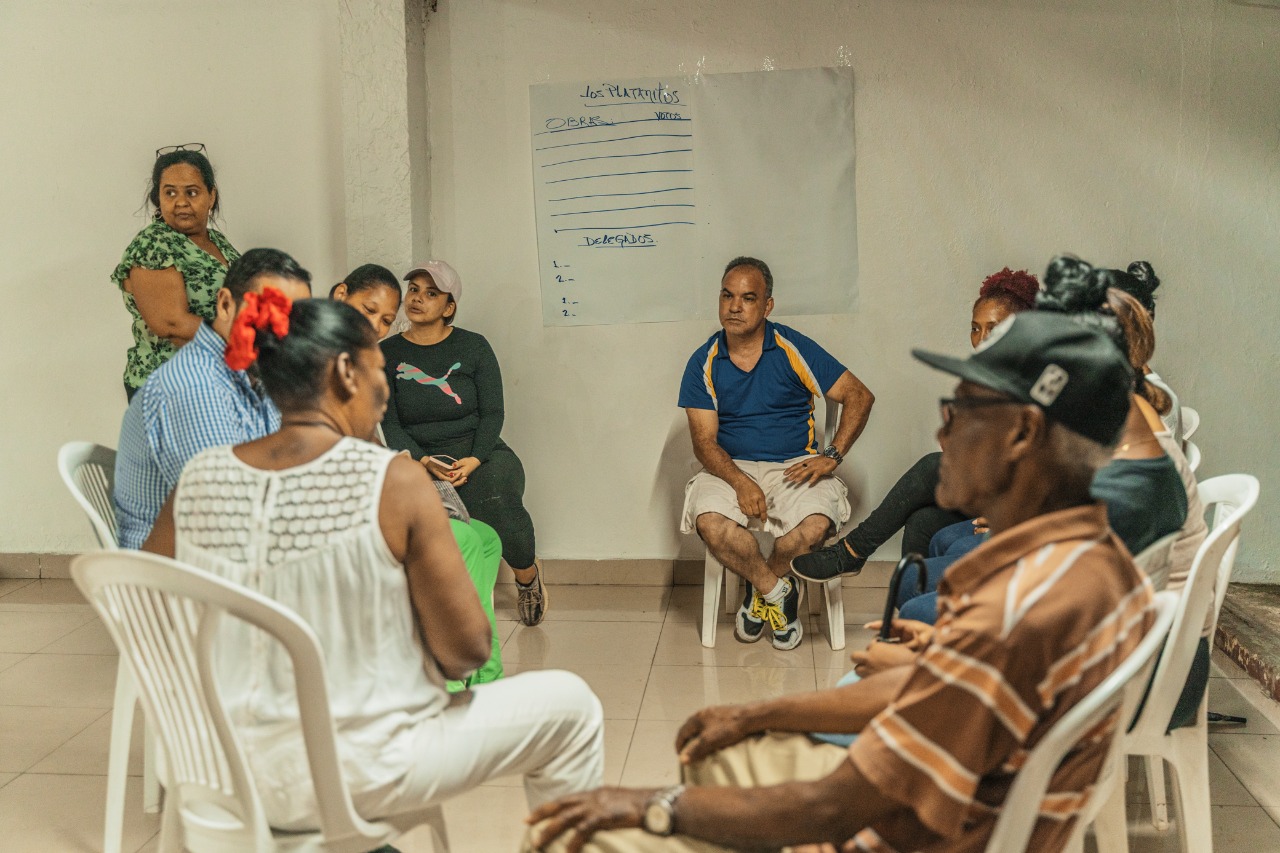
(1029, 623)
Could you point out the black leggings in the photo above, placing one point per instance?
(908, 506)
(495, 495)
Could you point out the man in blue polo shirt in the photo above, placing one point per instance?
(195, 401)
(749, 393)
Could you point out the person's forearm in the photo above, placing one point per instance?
(719, 463)
(487, 434)
(490, 404)
(854, 414)
(840, 710)
(396, 436)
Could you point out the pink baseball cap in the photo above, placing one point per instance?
(442, 275)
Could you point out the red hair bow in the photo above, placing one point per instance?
(260, 310)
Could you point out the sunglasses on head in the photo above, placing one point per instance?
(186, 146)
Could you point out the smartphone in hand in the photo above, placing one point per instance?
(443, 460)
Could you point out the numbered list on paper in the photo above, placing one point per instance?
(613, 172)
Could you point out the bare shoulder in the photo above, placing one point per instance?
(404, 475)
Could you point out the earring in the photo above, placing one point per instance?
(157, 215)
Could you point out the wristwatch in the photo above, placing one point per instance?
(660, 811)
(832, 453)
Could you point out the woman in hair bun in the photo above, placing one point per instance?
(909, 505)
(351, 537)
(1149, 488)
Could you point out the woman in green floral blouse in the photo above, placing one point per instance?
(172, 270)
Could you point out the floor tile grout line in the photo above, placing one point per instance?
(28, 583)
(61, 707)
(76, 734)
(1235, 776)
(21, 657)
(153, 837)
(634, 724)
(71, 773)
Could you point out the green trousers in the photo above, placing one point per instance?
(481, 552)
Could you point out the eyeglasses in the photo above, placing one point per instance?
(948, 405)
(186, 146)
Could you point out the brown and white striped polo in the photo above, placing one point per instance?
(1029, 623)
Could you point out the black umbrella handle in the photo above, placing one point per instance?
(895, 582)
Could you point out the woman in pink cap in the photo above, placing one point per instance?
(446, 410)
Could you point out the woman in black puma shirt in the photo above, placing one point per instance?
(446, 399)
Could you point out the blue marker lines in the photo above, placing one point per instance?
(619, 175)
(625, 227)
(610, 124)
(615, 139)
(617, 209)
(618, 156)
(611, 195)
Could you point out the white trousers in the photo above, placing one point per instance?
(547, 726)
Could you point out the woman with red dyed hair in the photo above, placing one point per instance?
(909, 505)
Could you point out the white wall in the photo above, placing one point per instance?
(988, 133)
(90, 90)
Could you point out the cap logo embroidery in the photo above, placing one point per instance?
(1050, 384)
(997, 332)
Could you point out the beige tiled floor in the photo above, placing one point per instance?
(637, 647)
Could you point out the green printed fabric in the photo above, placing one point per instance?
(158, 247)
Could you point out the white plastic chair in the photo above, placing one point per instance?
(1190, 422)
(88, 470)
(165, 619)
(715, 575)
(1123, 689)
(1187, 748)
(1156, 559)
(1192, 451)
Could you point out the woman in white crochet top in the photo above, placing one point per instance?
(349, 535)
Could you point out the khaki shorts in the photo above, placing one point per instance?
(787, 504)
(771, 759)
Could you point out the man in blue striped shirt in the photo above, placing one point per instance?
(195, 401)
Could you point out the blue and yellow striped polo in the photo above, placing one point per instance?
(766, 414)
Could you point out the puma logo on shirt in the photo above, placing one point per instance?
(407, 371)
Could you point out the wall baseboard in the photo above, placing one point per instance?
(643, 572)
(35, 565)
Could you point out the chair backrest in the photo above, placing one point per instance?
(1122, 689)
(1192, 451)
(1232, 497)
(1156, 559)
(164, 618)
(830, 423)
(1190, 422)
(89, 471)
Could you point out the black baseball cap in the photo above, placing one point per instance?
(1075, 373)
